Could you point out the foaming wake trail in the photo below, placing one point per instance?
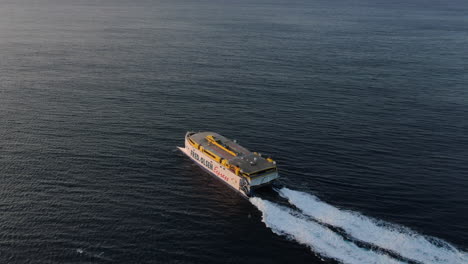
(400, 240)
(284, 221)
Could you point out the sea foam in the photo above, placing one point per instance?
(397, 239)
(321, 240)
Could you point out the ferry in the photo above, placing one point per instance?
(235, 165)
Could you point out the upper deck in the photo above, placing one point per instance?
(248, 162)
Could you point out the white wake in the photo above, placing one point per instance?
(400, 240)
(325, 242)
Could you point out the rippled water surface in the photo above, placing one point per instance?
(364, 104)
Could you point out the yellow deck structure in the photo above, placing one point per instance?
(231, 155)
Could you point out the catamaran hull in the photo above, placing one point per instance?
(215, 169)
(231, 177)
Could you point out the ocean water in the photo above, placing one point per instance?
(363, 104)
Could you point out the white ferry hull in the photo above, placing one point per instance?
(214, 168)
(231, 177)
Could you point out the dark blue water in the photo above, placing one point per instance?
(362, 103)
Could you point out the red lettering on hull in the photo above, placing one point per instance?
(220, 174)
